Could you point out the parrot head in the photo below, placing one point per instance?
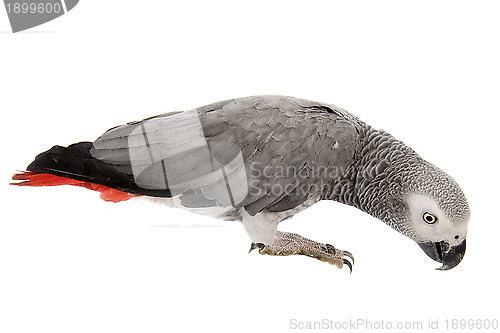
(414, 197)
(435, 212)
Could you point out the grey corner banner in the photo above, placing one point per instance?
(25, 14)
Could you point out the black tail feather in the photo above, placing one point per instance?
(76, 162)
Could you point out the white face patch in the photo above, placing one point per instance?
(422, 207)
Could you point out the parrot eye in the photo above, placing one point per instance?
(429, 218)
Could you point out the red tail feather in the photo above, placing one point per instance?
(29, 178)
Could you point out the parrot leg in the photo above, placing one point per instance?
(287, 243)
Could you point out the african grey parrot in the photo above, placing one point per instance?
(263, 159)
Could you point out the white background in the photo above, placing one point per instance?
(426, 71)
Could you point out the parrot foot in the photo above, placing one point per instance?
(287, 243)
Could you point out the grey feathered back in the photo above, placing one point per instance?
(282, 150)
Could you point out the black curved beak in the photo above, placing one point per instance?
(443, 253)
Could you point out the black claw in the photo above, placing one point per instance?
(254, 246)
(348, 263)
(347, 253)
(331, 248)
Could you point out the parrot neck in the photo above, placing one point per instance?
(372, 183)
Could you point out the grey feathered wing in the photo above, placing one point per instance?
(262, 153)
